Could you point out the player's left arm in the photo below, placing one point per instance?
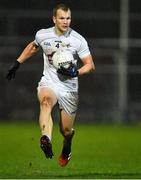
(88, 65)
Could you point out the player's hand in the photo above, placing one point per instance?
(11, 72)
(70, 72)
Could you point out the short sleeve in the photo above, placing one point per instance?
(36, 41)
(84, 49)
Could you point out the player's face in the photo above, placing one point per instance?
(62, 21)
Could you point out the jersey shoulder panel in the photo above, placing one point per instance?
(44, 31)
(77, 35)
(43, 34)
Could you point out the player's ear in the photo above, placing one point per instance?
(54, 19)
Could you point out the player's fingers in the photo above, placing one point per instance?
(8, 77)
(13, 76)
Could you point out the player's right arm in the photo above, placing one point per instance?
(28, 52)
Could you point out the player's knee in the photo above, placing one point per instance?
(45, 102)
(66, 132)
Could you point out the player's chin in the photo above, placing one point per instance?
(64, 29)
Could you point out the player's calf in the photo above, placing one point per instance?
(66, 151)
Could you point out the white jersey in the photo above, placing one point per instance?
(50, 42)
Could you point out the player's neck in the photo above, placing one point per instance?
(58, 32)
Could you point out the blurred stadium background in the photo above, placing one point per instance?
(112, 94)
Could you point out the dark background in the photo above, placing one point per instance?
(113, 29)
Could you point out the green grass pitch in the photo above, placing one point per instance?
(98, 152)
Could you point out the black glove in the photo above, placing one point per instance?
(11, 72)
(71, 71)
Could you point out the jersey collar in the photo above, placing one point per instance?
(66, 34)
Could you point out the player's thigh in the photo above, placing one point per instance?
(66, 121)
(47, 94)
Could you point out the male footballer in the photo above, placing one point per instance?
(58, 85)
